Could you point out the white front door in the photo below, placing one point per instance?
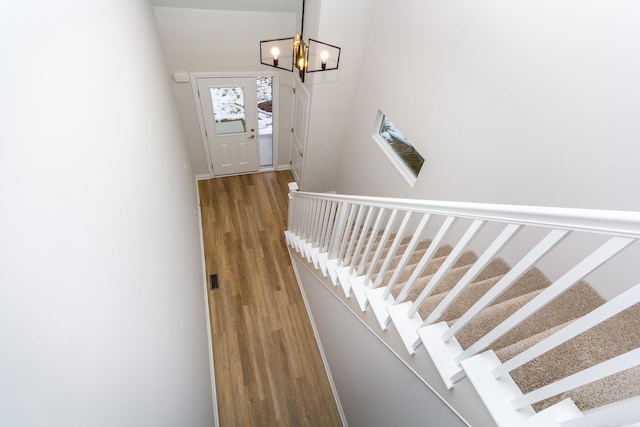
(229, 108)
(300, 123)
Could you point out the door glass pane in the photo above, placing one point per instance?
(265, 119)
(228, 109)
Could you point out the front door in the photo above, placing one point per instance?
(229, 108)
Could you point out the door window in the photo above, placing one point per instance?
(229, 111)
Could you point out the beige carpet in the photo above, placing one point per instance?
(612, 338)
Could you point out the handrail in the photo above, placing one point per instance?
(368, 246)
(621, 223)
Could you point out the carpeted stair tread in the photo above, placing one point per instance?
(462, 265)
(493, 316)
(474, 292)
(497, 267)
(408, 270)
(460, 305)
(533, 280)
(489, 318)
(611, 338)
(432, 267)
(403, 246)
(614, 388)
(413, 260)
(359, 258)
(516, 348)
(575, 302)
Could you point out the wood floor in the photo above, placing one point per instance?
(267, 364)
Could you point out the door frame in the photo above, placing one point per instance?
(238, 74)
(300, 90)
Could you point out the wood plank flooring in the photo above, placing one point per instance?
(267, 365)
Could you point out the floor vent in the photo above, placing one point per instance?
(213, 281)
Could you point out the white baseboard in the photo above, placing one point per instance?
(317, 336)
(214, 397)
(202, 176)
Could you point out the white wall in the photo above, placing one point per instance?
(374, 387)
(197, 40)
(510, 102)
(102, 312)
(332, 92)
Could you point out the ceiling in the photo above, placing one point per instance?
(248, 5)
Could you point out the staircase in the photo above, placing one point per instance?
(467, 283)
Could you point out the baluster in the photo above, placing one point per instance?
(607, 310)
(601, 370)
(304, 214)
(312, 219)
(407, 254)
(381, 245)
(298, 214)
(356, 234)
(322, 222)
(544, 246)
(394, 247)
(372, 240)
(307, 219)
(330, 226)
(338, 229)
(317, 229)
(471, 232)
(293, 201)
(363, 237)
(507, 234)
(586, 266)
(426, 258)
(348, 233)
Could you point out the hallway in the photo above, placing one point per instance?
(267, 365)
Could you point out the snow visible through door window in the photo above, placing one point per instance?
(265, 119)
(228, 108)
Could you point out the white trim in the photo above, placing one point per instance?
(203, 176)
(325, 362)
(322, 280)
(231, 74)
(619, 223)
(284, 167)
(620, 413)
(300, 89)
(214, 396)
(203, 135)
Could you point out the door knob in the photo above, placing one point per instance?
(251, 137)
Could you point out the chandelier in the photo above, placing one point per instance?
(292, 53)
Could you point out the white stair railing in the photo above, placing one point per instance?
(367, 244)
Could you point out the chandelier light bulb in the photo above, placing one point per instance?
(275, 52)
(324, 56)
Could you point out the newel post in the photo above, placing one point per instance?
(293, 187)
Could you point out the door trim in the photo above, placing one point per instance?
(300, 90)
(276, 104)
